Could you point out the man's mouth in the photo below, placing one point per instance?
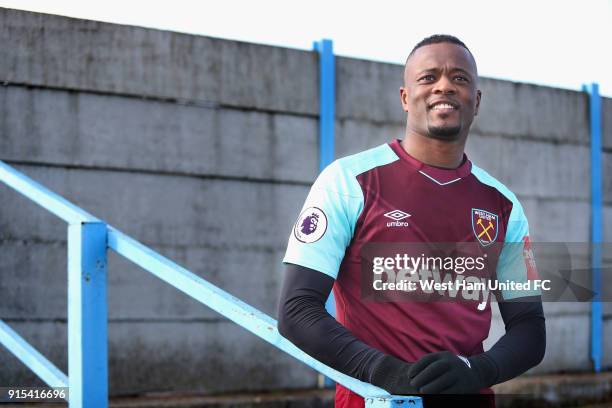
(443, 106)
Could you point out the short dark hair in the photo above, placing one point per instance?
(437, 39)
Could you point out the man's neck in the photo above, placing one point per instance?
(434, 152)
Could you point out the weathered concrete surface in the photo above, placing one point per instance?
(191, 223)
(532, 112)
(162, 209)
(607, 228)
(534, 168)
(557, 221)
(607, 180)
(606, 122)
(204, 149)
(607, 335)
(42, 293)
(575, 390)
(353, 136)
(170, 356)
(59, 52)
(368, 90)
(106, 131)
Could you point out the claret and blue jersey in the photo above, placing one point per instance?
(383, 195)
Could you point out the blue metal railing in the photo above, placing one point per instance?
(31, 357)
(596, 223)
(327, 95)
(87, 309)
(327, 114)
(88, 239)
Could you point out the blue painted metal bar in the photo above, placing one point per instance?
(227, 305)
(87, 315)
(596, 224)
(43, 196)
(28, 355)
(327, 114)
(327, 94)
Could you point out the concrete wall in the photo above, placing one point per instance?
(204, 149)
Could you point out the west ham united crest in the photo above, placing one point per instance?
(484, 225)
(311, 225)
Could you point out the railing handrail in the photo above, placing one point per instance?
(48, 372)
(227, 305)
(42, 196)
(189, 283)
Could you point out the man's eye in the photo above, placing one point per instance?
(461, 78)
(427, 78)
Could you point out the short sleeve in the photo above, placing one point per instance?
(516, 263)
(325, 225)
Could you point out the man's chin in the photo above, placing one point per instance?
(444, 132)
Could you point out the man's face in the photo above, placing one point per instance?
(439, 91)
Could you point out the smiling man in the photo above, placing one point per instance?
(441, 98)
(434, 194)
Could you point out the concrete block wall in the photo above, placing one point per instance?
(205, 149)
(196, 159)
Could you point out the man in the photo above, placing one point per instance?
(434, 194)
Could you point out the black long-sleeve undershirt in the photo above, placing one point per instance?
(302, 318)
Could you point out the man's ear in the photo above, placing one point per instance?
(404, 98)
(478, 96)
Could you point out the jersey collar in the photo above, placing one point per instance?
(436, 174)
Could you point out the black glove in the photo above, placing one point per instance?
(391, 374)
(445, 373)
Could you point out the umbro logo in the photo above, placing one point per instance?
(397, 216)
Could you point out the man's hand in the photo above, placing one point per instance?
(392, 375)
(444, 373)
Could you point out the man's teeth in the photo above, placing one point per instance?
(443, 106)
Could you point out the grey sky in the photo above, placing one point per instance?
(556, 43)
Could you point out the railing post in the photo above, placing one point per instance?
(596, 223)
(327, 101)
(87, 315)
(327, 115)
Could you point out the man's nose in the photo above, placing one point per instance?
(445, 85)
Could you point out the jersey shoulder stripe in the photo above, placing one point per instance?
(337, 198)
(349, 167)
